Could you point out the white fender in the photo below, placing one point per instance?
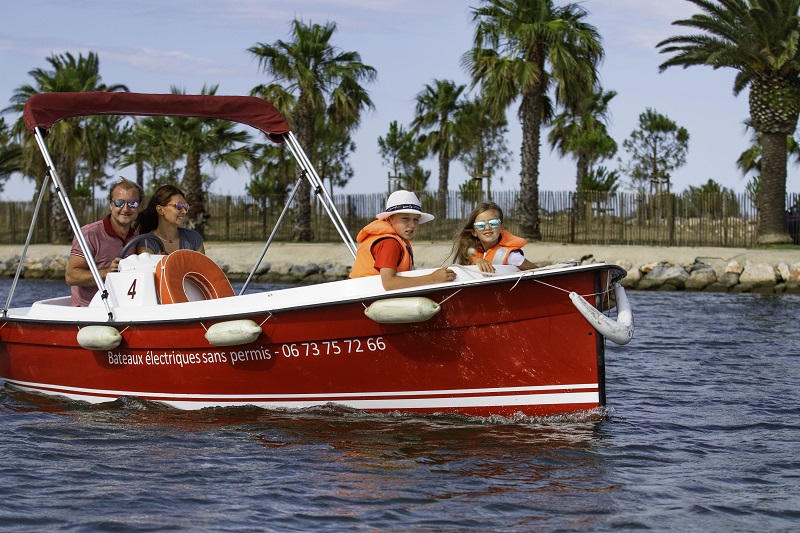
(233, 332)
(99, 337)
(619, 331)
(402, 310)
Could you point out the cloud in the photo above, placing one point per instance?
(637, 24)
(168, 62)
(360, 16)
(157, 61)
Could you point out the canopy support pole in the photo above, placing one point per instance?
(73, 220)
(321, 192)
(25, 248)
(274, 231)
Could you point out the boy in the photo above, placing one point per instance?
(384, 246)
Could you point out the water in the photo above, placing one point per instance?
(701, 434)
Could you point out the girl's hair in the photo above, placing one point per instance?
(464, 240)
(147, 220)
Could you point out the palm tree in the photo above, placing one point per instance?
(10, 154)
(580, 130)
(272, 168)
(759, 39)
(435, 112)
(198, 140)
(750, 159)
(133, 149)
(312, 77)
(73, 143)
(523, 48)
(102, 138)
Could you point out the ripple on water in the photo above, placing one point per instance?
(700, 434)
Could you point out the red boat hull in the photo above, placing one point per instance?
(503, 348)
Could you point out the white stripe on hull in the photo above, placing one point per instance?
(434, 399)
(419, 403)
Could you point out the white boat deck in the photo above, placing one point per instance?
(146, 308)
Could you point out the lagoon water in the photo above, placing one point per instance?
(702, 433)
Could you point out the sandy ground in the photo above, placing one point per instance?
(240, 257)
(434, 254)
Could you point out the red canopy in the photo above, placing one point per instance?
(43, 110)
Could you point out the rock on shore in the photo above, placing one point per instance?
(734, 270)
(699, 276)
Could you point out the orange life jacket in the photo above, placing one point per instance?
(498, 254)
(375, 231)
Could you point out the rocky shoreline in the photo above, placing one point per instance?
(649, 268)
(734, 277)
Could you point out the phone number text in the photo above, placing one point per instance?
(344, 346)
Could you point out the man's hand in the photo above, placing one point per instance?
(114, 266)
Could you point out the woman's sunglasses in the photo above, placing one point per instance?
(133, 204)
(494, 224)
(179, 206)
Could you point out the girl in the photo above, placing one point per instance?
(484, 242)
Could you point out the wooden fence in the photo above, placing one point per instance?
(588, 218)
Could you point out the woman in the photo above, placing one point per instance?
(162, 219)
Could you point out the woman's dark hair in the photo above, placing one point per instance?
(464, 240)
(147, 220)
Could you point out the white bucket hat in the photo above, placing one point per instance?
(404, 202)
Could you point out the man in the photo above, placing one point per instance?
(105, 239)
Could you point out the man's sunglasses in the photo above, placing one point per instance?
(179, 206)
(133, 204)
(494, 224)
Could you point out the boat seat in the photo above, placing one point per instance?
(133, 284)
(189, 276)
(139, 263)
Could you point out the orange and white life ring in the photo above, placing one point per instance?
(187, 276)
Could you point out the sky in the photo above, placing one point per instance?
(151, 46)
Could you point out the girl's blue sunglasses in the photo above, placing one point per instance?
(494, 224)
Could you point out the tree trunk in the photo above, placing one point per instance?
(774, 108)
(62, 231)
(582, 172)
(531, 113)
(193, 187)
(772, 201)
(140, 174)
(301, 217)
(444, 177)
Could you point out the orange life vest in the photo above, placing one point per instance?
(375, 231)
(498, 254)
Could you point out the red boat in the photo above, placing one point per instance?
(528, 342)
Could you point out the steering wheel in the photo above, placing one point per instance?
(140, 238)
